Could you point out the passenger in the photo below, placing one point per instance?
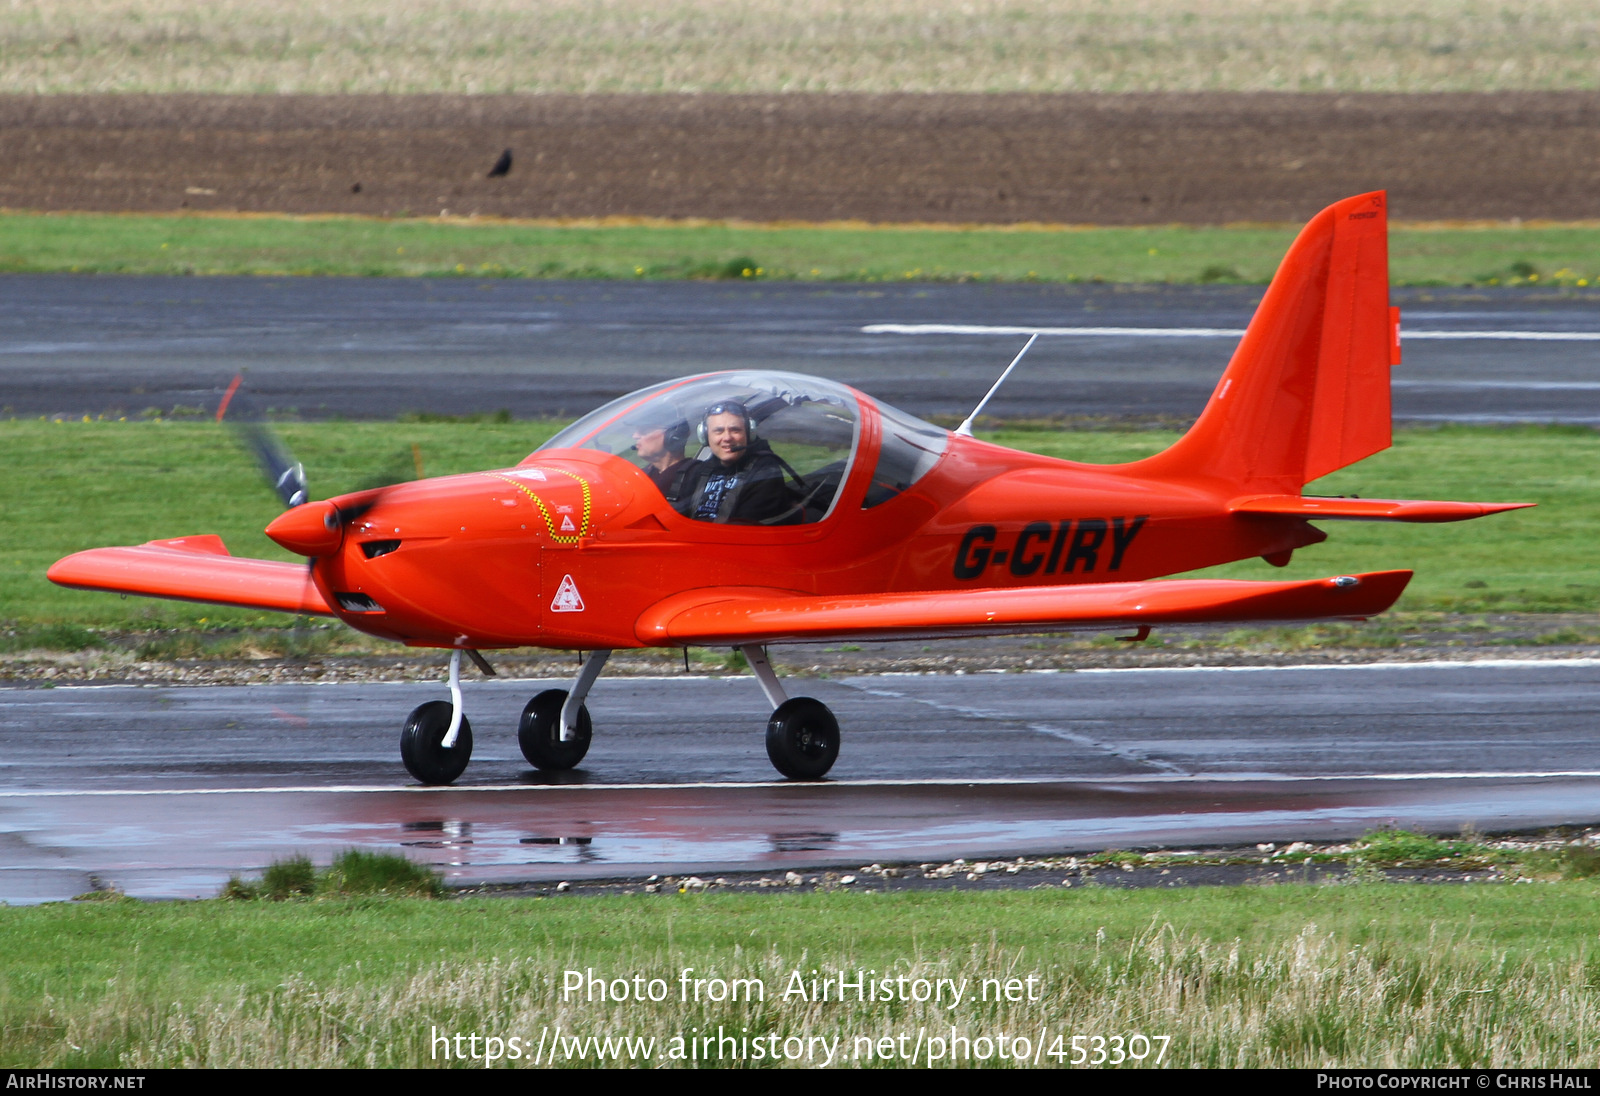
(662, 453)
(743, 482)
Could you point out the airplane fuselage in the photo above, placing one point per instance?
(570, 547)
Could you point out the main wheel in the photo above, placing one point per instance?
(420, 747)
(803, 738)
(540, 732)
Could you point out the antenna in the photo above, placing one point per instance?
(966, 427)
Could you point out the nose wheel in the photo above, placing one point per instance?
(422, 744)
(436, 742)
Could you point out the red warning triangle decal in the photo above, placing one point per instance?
(566, 524)
(567, 599)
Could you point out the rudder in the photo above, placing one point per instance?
(1307, 390)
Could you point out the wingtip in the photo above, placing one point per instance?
(1438, 512)
(60, 571)
(1384, 589)
(1366, 594)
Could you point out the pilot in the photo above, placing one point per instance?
(742, 483)
(661, 449)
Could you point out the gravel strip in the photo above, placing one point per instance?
(1258, 865)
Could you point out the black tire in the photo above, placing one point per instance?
(424, 758)
(803, 739)
(540, 733)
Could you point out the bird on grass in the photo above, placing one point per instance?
(502, 166)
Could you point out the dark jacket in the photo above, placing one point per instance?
(670, 482)
(751, 491)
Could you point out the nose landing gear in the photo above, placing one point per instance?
(422, 744)
(436, 742)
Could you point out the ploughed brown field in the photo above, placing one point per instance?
(1075, 158)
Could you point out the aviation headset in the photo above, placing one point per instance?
(676, 436)
(673, 438)
(726, 407)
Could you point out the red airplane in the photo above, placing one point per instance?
(753, 507)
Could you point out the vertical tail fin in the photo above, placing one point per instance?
(1307, 390)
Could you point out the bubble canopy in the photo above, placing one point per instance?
(803, 434)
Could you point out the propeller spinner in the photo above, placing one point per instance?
(312, 529)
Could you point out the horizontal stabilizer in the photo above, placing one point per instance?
(1351, 509)
(732, 616)
(193, 569)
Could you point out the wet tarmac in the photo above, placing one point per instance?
(375, 348)
(166, 791)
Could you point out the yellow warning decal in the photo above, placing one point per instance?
(582, 529)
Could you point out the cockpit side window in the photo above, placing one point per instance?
(743, 448)
(909, 450)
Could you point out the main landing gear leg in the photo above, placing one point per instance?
(436, 743)
(802, 735)
(555, 729)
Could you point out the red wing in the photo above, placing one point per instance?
(730, 616)
(1351, 509)
(193, 569)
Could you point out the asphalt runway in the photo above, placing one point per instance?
(165, 791)
(363, 348)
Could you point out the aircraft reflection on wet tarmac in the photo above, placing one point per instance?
(167, 791)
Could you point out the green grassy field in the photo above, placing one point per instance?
(487, 46)
(1353, 975)
(76, 485)
(1561, 255)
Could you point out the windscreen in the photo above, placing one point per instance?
(909, 450)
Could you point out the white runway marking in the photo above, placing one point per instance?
(1532, 386)
(1505, 336)
(1420, 664)
(1199, 332)
(941, 782)
(1085, 332)
(1496, 663)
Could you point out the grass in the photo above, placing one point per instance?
(76, 485)
(284, 879)
(1478, 254)
(1334, 975)
(489, 46)
(1566, 862)
(353, 873)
